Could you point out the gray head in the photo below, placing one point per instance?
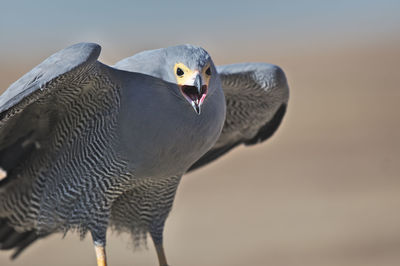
(189, 67)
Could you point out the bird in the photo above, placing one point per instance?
(86, 147)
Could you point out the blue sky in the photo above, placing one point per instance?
(30, 26)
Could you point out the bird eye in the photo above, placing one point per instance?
(208, 71)
(179, 71)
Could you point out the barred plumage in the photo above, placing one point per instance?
(87, 146)
(74, 166)
(145, 208)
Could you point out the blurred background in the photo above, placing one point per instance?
(325, 190)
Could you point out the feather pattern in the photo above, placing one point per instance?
(256, 98)
(80, 154)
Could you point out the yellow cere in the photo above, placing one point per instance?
(186, 75)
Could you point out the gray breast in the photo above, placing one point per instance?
(160, 134)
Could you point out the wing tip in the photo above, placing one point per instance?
(269, 128)
(76, 55)
(11, 239)
(90, 49)
(263, 134)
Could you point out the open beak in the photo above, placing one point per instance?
(195, 92)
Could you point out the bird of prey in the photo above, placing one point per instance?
(85, 146)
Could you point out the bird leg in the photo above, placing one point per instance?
(161, 254)
(163, 202)
(99, 241)
(100, 254)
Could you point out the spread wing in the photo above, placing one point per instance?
(30, 107)
(256, 99)
(69, 94)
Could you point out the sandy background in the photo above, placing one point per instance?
(325, 190)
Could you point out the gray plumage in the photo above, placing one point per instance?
(256, 98)
(87, 146)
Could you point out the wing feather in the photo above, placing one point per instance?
(55, 67)
(256, 98)
(28, 108)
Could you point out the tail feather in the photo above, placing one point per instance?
(11, 239)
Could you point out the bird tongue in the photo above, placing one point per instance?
(194, 97)
(192, 93)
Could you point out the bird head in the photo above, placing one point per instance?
(193, 83)
(193, 72)
(187, 67)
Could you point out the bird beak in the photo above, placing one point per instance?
(195, 92)
(197, 83)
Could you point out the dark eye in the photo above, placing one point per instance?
(179, 71)
(208, 71)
